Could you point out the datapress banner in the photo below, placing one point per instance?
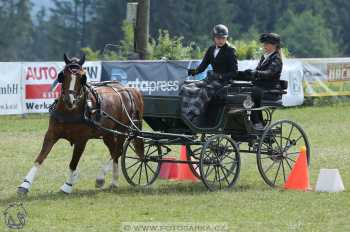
(10, 88)
(326, 77)
(151, 77)
(165, 77)
(38, 77)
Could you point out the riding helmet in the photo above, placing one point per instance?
(271, 38)
(220, 30)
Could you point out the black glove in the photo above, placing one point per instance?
(191, 72)
(250, 74)
(211, 75)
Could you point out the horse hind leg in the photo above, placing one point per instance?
(115, 147)
(49, 142)
(100, 179)
(73, 174)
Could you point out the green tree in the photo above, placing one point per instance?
(307, 35)
(69, 27)
(106, 24)
(17, 29)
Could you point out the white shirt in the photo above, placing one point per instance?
(266, 56)
(216, 51)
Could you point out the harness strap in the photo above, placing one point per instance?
(123, 104)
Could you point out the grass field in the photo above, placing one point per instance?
(250, 206)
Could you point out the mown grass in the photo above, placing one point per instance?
(250, 206)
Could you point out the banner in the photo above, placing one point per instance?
(152, 78)
(37, 79)
(326, 77)
(163, 78)
(10, 88)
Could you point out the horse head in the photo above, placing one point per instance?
(73, 79)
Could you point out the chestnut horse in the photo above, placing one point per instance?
(84, 112)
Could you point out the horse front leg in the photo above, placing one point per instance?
(49, 142)
(73, 174)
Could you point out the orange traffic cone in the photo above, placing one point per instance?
(167, 170)
(184, 171)
(298, 178)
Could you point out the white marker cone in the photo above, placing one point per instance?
(329, 180)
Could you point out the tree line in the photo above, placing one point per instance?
(178, 28)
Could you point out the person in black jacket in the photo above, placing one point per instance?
(221, 56)
(197, 95)
(267, 72)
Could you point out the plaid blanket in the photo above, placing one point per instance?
(195, 96)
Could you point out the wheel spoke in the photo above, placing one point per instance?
(290, 133)
(206, 172)
(132, 177)
(278, 170)
(215, 175)
(218, 171)
(146, 172)
(150, 168)
(290, 167)
(132, 147)
(268, 169)
(291, 159)
(140, 173)
(148, 154)
(137, 158)
(133, 164)
(209, 172)
(284, 175)
(274, 138)
(148, 147)
(281, 134)
(293, 153)
(296, 141)
(225, 175)
(228, 171)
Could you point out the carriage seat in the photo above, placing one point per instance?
(236, 92)
(273, 96)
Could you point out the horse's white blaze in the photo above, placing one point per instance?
(28, 180)
(71, 87)
(115, 174)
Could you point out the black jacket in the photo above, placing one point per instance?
(225, 62)
(268, 71)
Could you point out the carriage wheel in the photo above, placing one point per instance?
(140, 171)
(219, 163)
(278, 151)
(193, 153)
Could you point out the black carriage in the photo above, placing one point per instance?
(215, 142)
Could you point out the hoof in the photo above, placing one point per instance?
(99, 183)
(66, 188)
(113, 187)
(22, 191)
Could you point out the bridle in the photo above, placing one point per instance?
(76, 70)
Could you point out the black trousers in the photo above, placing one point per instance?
(257, 95)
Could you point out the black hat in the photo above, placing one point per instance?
(271, 38)
(220, 30)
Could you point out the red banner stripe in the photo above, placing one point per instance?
(41, 91)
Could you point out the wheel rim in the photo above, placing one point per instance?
(278, 151)
(219, 163)
(141, 171)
